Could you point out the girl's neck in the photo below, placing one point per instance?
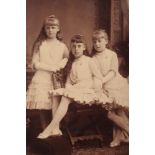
(102, 52)
(51, 39)
(79, 58)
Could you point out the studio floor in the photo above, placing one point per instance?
(81, 124)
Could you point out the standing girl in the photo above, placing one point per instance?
(115, 85)
(49, 56)
(84, 84)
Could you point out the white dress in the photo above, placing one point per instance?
(84, 83)
(117, 87)
(49, 55)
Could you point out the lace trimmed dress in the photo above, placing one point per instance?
(117, 88)
(83, 83)
(49, 55)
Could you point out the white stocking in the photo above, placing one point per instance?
(55, 104)
(60, 113)
(119, 120)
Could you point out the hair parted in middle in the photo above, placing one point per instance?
(50, 20)
(99, 34)
(75, 39)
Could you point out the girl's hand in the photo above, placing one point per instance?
(54, 69)
(30, 65)
(103, 81)
(63, 63)
(97, 84)
(60, 66)
(68, 86)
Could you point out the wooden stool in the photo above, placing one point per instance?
(86, 115)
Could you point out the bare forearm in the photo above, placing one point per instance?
(108, 77)
(62, 63)
(45, 67)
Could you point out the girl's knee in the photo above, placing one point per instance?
(110, 115)
(122, 113)
(65, 100)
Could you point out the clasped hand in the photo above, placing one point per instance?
(61, 65)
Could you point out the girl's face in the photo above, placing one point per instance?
(51, 31)
(100, 43)
(77, 49)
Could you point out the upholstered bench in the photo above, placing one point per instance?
(81, 124)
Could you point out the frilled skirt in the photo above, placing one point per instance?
(83, 95)
(38, 91)
(118, 89)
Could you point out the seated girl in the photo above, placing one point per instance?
(114, 84)
(84, 85)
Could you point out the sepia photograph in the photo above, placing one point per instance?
(77, 77)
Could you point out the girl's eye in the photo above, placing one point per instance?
(48, 28)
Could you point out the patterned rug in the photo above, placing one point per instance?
(122, 150)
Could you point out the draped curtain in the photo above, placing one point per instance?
(125, 13)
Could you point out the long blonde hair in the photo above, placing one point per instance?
(96, 34)
(50, 20)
